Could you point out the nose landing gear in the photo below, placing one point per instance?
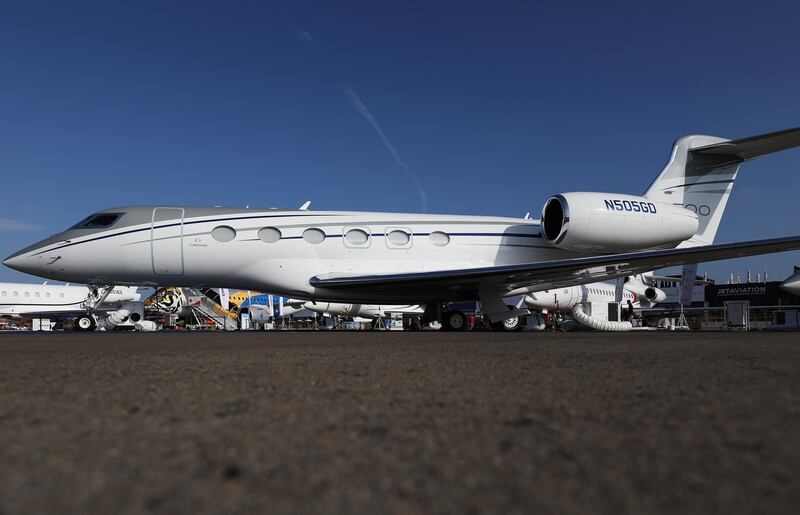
(85, 323)
(97, 296)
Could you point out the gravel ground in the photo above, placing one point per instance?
(342, 422)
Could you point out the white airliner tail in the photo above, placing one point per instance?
(701, 171)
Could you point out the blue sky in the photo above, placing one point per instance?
(473, 109)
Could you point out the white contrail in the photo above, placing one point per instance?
(361, 107)
(303, 35)
(7, 224)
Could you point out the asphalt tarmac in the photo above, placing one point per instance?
(363, 422)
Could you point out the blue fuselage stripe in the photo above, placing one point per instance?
(171, 225)
(178, 224)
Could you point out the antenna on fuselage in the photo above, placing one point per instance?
(305, 205)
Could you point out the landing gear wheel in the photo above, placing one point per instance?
(454, 321)
(85, 323)
(510, 324)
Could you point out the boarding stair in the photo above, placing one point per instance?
(206, 309)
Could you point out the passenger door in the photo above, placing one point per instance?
(166, 240)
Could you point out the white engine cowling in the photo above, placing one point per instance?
(648, 296)
(608, 222)
(655, 295)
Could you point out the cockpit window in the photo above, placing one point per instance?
(98, 221)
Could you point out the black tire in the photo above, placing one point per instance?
(510, 325)
(85, 323)
(454, 321)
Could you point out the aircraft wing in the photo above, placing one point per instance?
(466, 283)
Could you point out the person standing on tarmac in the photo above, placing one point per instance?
(629, 312)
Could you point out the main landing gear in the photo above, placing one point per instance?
(451, 320)
(510, 324)
(454, 321)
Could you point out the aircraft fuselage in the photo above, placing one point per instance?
(278, 251)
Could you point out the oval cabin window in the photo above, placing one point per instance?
(223, 233)
(314, 236)
(269, 234)
(356, 237)
(439, 238)
(398, 238)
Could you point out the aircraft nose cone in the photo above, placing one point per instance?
(33, 260)
(15, 261)
(24, 261)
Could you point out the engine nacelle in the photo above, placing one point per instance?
(648, 296)
(654, 295)
(608, 222)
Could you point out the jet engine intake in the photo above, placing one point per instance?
(609, 222)
(654, 295)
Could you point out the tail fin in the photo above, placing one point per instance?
(701, 172)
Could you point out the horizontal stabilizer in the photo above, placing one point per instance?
(755, 146)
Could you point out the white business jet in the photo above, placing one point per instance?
(641, 290)
(377, 258)
(80, 302)
(368, 311)
(635, 290)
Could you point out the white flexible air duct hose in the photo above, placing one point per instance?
(538, 322)
(145, 326)
(114, 318)
(597, 323)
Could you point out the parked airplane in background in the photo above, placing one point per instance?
(76, 302)
(369, 311)
(426, 259)
(170, 301)
(564, 299)
(792, 284)
(278, 306)
(239, 296)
